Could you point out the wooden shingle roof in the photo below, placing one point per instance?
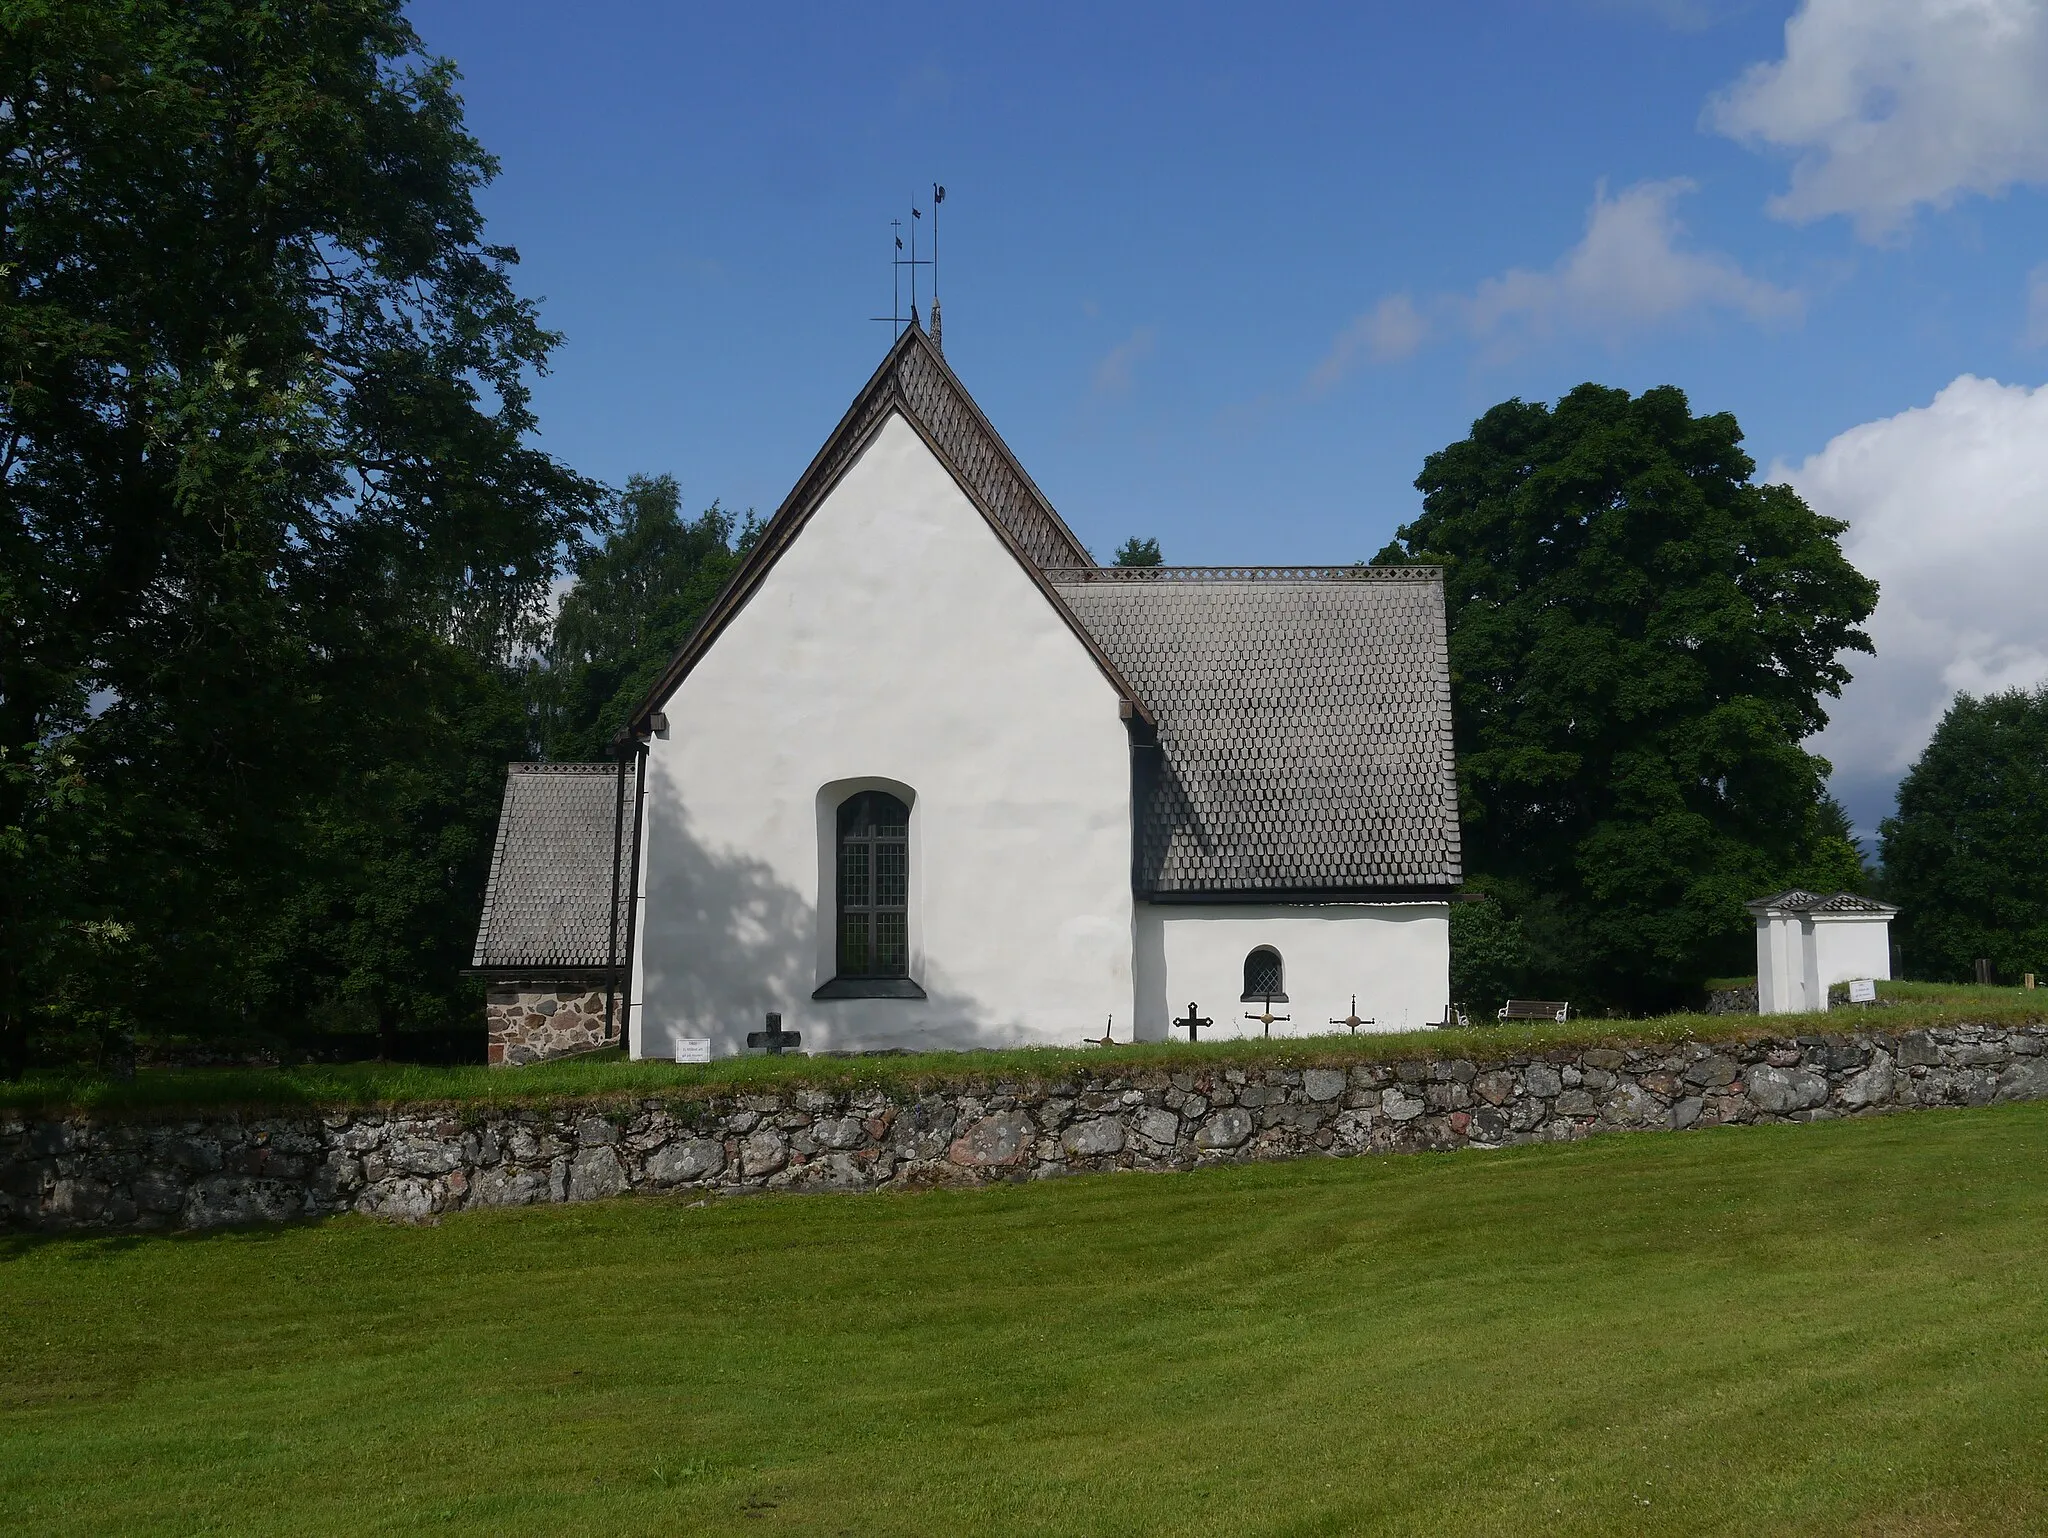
(1304, 726)
(549, 902)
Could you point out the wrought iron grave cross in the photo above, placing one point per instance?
(1352, 1019)
(775, 1039)
(1267, 1017)
(1194, 1022)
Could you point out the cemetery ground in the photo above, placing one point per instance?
(596, 1076)
(1833, 1328)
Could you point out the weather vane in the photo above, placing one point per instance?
(898, 261)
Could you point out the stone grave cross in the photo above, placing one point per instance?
(775, 1039)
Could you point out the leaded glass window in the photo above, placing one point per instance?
(874, 886)
(1263, 975)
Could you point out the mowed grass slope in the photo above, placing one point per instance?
(1839, 1328)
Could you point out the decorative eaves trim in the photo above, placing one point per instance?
(1172, 574)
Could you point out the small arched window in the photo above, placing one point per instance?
(1264, 977)
(874, 886)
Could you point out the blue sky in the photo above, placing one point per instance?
(1224, 276)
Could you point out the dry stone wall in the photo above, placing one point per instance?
(417, 1165)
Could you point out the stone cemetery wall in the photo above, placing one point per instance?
(529, 1023)
(414, 1165)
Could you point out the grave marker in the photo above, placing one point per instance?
(775, 1040)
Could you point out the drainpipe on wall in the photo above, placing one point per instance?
(611, 957)
(633, 889)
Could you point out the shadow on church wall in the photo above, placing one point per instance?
(727, 941)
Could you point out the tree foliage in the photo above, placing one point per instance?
(636, 598)
(268, 500)
(1138, 552)
(1489, 956)
(1641, 637)
(1966, 856)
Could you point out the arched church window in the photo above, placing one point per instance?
(1264, 977)
(874, 886)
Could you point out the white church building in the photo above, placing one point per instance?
(928, 777)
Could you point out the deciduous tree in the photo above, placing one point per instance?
(636, 598)
(1641, 639)
(264, 436)
(1966, 855)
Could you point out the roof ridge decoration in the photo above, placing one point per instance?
(1073, 575)
(916, 382)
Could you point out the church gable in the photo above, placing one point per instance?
(915, 383)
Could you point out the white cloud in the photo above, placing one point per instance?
(1947, 507)
(1627, 274)
(1890, 104)
(1114, 373)
(1391, 329)
(1630, 273)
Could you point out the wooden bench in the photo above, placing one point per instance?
(1534, 1009)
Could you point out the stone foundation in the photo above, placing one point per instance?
(1732, 1001)
(529, 1023)
(82, 1172)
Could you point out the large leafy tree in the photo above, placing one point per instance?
(1966, 856)
(266, 476)
(636, 598)
(1641, 638)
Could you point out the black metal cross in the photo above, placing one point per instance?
(1268, 1017)
(1194, 1022)
(1352, 1019)
(775, 1039)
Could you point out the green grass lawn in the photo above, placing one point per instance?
(601, 1075)
(1838, 1328)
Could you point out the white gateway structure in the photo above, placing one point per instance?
(1806, 943)
(927, 777)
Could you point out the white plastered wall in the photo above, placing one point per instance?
(1852, 945)
(1781, 986)
(1394, 957)
(1799, 956)
(896, 642)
